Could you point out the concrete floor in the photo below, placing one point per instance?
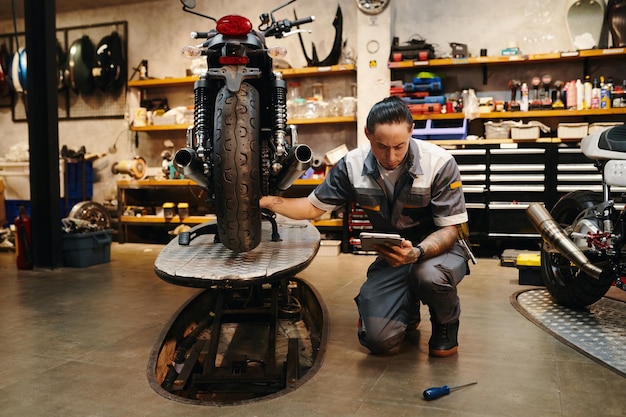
(76, 341)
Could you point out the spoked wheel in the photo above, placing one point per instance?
(566, 283)
(237, 168)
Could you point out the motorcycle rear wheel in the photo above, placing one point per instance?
(566, 283)
(237, 168)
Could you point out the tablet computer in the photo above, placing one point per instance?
(371, 238)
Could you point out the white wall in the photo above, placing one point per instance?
(158, 29)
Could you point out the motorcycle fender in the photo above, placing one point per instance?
(234, 75)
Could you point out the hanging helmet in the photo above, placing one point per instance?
(80, 62)
(18, 70)
(110, 70)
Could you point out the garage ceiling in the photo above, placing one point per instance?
(64, 6)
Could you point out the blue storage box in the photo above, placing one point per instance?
(427, 84)
(440, 129)
(425, 100)
(79, 180)
(12, 209)
(85, 249)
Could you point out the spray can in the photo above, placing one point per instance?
(605, 94)
(23, 240)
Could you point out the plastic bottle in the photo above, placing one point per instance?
(570, 95)
(523, 106)
(587, 98)
(580, 94)
(605, 94)
(595, 95)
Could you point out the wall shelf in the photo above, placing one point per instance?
(513, 59)
(151, 219)
(151, 194)
(287, 73)
(525, 114)
(163, 82)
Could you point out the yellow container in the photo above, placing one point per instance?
(168, 210)
(528, 259)
(528, 267)
(183, 210)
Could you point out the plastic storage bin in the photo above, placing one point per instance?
(600, 126)
(440, 129)
(497, 130)
(525, 132)
(572, 130)
(329, 248)
(85, 249)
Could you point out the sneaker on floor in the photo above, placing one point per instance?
(443, 341)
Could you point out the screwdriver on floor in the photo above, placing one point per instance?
(433, 393)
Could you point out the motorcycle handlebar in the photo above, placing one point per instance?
(302, 21)
(277, 29)
(281, 27)
(199, 35)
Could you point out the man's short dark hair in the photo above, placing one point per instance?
(388, 111)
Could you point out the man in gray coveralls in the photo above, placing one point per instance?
(413, 188)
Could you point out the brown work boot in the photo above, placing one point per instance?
(443, 341)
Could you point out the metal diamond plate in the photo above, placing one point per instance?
(599, 331)
(204, 263)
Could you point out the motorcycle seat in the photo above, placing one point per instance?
(605, 145)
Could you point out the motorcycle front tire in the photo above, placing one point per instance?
(237, 168)
(566, 283)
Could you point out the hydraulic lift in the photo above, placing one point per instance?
(253, 331)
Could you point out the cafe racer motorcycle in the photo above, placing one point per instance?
(584, 235)
(240, 146)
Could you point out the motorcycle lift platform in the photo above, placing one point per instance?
(254, 330)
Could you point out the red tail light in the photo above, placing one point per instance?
(234, 25)
(233, 60)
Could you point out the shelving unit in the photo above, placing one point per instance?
(291, 73)
(531, 114)
(151, 194)
(515, 59)
(492, 72)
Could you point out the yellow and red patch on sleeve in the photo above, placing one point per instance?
(455, 185)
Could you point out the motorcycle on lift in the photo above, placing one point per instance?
(240, 146)
(583, 251)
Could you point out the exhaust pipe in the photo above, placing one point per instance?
(187, 163)
(554, 234)
(298, 161)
